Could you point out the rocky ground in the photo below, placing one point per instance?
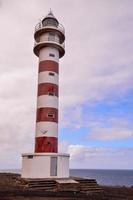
(11, 188)
(118, 193)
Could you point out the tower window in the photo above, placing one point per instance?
(51, 73)
(50, 22)
(51, 115)
(51, 36)
(51, 55)
(30, 156)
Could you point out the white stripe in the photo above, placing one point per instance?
(44, 77)
(48, 129)
(47, 101)
(44, 54)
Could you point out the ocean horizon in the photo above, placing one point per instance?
(110, 177)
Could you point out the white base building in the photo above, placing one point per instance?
(45, 165)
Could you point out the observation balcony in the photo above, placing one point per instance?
(49, 41)
(40, 28)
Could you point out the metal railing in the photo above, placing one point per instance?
(50, 39)
(40, 26)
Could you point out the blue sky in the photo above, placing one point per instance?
(96, 84)
(121, 108)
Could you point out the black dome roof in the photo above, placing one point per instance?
(50, 15)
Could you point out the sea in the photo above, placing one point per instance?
(103, 176)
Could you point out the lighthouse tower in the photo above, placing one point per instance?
(49, 47)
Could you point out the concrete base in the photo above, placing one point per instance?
(45, 165)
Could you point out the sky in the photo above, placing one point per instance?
(96, 81)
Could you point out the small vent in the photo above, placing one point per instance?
(30, 156)
(51, 55)
(51, 94)
(48, 143)
(51, 115)
(51, 74)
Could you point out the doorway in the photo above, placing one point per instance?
(53, 166)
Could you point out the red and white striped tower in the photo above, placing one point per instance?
(49, 47)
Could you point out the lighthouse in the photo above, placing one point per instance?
(49, 47)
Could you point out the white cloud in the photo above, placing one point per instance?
(100, 157)
(110, 129)
(113, 133)
(101, 63)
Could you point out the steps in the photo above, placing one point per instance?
(67, 185)
(89, 185)
(72, 184)
(41, 184)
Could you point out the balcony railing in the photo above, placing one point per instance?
(50, 39)
(40, 26)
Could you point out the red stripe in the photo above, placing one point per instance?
(46, 144)
(42, 114)
(45, 88)
(48, 65)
